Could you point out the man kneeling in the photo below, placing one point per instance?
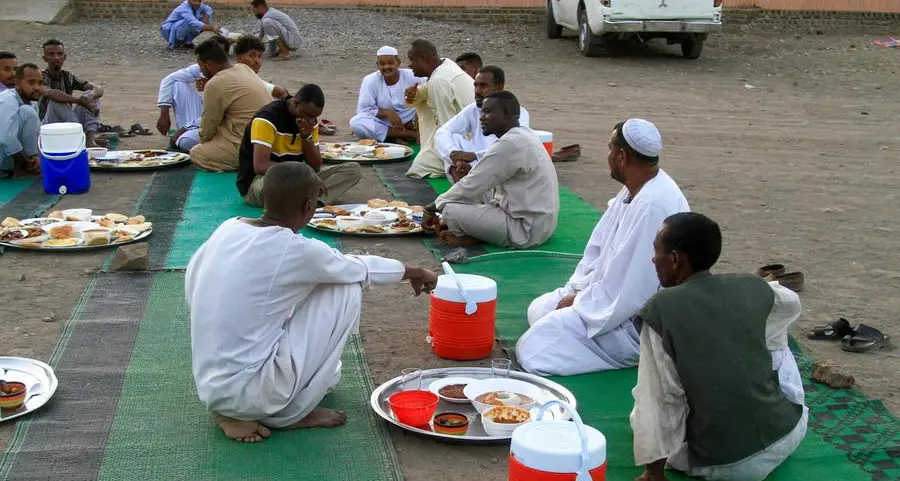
(719, 394)
(272, 310)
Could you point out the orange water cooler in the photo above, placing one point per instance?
(557, 450)
(546, 139)
(463, 311)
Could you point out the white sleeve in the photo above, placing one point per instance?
(785, 311)
(167, 86)
(311, 261)
(443, 136)
(368, 101)
(524, 118)
(269, 87)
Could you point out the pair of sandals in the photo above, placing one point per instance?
(136, 129)
(862, 338)
(777, 272)
(569, 153)
(327, 127)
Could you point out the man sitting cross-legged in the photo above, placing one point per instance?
(517, 178)
(19, 124)
(719, 395)
(57, 102)
(272, 310)
(381, 111)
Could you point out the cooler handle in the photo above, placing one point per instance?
(583, 473)
(63, 157)
(471, 306)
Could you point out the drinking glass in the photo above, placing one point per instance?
(412, 379)
(500, 368)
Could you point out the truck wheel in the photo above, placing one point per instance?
(553, 30)
(691, 48)
(587, 41)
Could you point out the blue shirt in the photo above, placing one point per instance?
(186, 13)
(10, 144)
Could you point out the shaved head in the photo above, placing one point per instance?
(291, 190)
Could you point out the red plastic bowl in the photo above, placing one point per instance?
(414, 408)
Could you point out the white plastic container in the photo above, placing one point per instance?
(482, 386)
(78, 215)
(394, 152)
(478, 288)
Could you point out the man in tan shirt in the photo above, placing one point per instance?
(231, 97)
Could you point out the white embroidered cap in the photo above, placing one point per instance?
(643, 137)
(387, 50)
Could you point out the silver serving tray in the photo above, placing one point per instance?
(351, 207)
(30, 372)
(79, 248)
(368, 160)
(475, 434)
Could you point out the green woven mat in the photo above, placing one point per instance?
(10, 188)
(162, 433)
(214, 199)
(605, 401)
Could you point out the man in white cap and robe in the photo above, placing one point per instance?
(589, 323)
(381, 111)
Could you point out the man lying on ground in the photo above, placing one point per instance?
(287, 130)
(460, 142)
(231, 96)
(181, 92)
(57, 103)
(719, 394)
(8, 65)
(187, 20)
(277, 29)
(381, 112)
(517, 177)
(470, 62)
(588, 324)
(20, 125)
(272, 310)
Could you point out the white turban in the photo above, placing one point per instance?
(643, 137)
(387, 50)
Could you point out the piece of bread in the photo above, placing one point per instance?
(377, 203)
(367, 142)
(62, 231)
(10, 222)
(106, 223)
(118, 218)
(397, 203)
(56, 214)
(333, 209)
(140, 227)
(327, 224)
(138, 219)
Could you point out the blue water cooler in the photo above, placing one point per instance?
(64, 159)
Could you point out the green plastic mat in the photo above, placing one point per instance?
(213, 199)
(162, 433)
(9, 188)
(845, 427)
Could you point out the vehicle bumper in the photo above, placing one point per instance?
(673, 26)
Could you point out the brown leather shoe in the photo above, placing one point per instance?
(771, 269)
(791, 280)
(568, 153)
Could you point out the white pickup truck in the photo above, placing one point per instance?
(686, 22)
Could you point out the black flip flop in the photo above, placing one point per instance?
(865, 338)
(139, 129)
(835, 331)
(121, 132)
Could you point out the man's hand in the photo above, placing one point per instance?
(88, 105)
(212, 27)
(323, 189)
(33, 165)
(566, 302)
(459, 156)
(164, 124)
(459, 170)
(393, 119)
(200, 84)
(279, 92)
(420, 279)
(411, 93)
(305, 127)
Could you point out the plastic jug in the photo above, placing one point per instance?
(546, 139)
(64, 159)
(462, 317)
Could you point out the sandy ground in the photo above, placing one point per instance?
(789, 142)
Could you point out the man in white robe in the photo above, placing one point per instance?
(438, 100)
(587, 324)
(381, 111)
(461, 142)
(271, 311)
(516, 176)
(719, 395)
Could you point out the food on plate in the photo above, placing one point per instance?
(504, 398)
(122, 237)
(507, 415)
(106, 223)
(41, 221)
(56, 214)
(453, 391)
(397, 203)
(327, 224)
(67, 242)
(33, 231)
(138, 219)
(404, 225)
(367, 142)
(7, 235)
(331, 155)
(367, 229)
(10, 222)
(380, 153)
(336, 210)
(377, 203)
(64, 231)
(417, 208)
(117, 218)
(455, 424)
(138, 228)
(95, 237)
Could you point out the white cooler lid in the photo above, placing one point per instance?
(62, 128)
(479, 288)
(554, 446)
(544, 135)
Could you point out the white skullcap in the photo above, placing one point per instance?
(387, 50)
(643, 137)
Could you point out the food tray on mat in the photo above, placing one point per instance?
(476, 433)
(73, 230)
(364, 152)
(137, 160)
(39, 382)
(377, 218)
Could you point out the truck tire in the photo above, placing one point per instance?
(589, 44)
(692, 48)
(553, 30)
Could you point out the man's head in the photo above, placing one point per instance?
(211, 58)
(308, 103)
(259, 8)
(29, 82)
(489, 79)
(290, 194)
(8, 69)
(249, 50)
(387, 59)
(686, 243)
(634, 148)
(54, 54)
(499, 113)
(195, 4)
(423, 58)
(470, 62)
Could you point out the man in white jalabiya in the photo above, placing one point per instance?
(461, 142)
(271, 311)
(719, 395)
(588, 324)
(381, 112)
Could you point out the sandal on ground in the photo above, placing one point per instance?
(791, 280)
(865, 338)
(139, 129)
(770, 270)
(835, 331)
(568, 153)
(327, 127)
(122, 133)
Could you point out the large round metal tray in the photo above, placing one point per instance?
(113, 167)
(475, 434)
(367, 160)
(31, 372)
(79, 248)
(351, 207)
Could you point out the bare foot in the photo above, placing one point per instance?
(243, 431)
(321, 418)
(447, 238)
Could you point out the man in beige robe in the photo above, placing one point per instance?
(517, 174)
(438, 100)
(231, 97)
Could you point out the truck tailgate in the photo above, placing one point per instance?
(662, 9)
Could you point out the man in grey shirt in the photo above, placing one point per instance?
(276, 29)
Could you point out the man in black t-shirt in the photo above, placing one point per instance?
(57, 103)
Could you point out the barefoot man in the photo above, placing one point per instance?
(271, 311)
(381, 111)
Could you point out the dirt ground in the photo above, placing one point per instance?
(788, 141)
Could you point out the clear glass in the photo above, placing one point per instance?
(500, 368)
(412, 379)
